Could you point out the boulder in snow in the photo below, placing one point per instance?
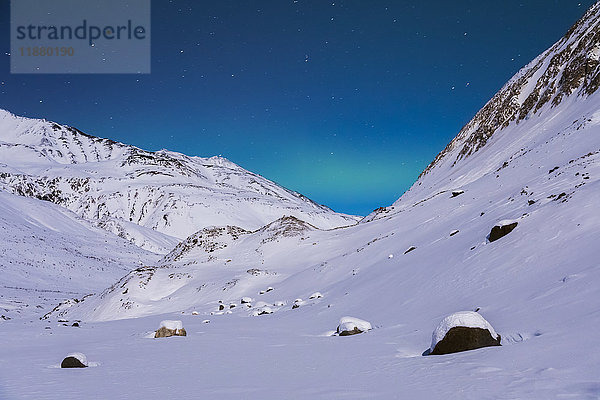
(170, 328)
(75, 360)
(502, 229)
(316, 295)
(352, 326)
(297, 303)
(457, 192)
(462, 331)
(246, 300)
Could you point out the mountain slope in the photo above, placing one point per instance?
(154, 199)
(48, 254)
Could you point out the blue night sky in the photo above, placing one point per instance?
(344, 101)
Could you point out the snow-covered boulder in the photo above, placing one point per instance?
(264, 310)
(502, 229)
(246, 300)
(462, 331)
(170, 328)
(352, 326)
(74, 360)
(297, 303)
(315, 295)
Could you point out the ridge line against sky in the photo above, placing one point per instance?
(345, 102)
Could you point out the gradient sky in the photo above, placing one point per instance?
(343, 101)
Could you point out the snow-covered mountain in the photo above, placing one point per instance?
(403, 269)
(47, 254)
(154, 199)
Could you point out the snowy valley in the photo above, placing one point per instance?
(117, 239)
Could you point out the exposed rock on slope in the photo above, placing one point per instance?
(571, 66)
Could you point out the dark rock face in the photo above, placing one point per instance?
(461, 338)
(354, 331)
(72, 362)
(499, 231)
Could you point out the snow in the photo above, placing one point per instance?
(349, 323)
(171, 324)
(538, 285)
(469, 319)
(506, 222)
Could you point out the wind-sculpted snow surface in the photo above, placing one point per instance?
(153, 199)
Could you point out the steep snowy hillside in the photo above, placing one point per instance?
(48, 254)
(152, 199)
(557, 81)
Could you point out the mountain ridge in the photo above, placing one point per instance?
(117, 185)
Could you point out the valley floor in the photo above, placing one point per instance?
(287, 357)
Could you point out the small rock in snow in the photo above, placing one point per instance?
(74, 360)
(411, 248)
(351, 326)
(316, 295)
(170, 328)
(262, 311)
